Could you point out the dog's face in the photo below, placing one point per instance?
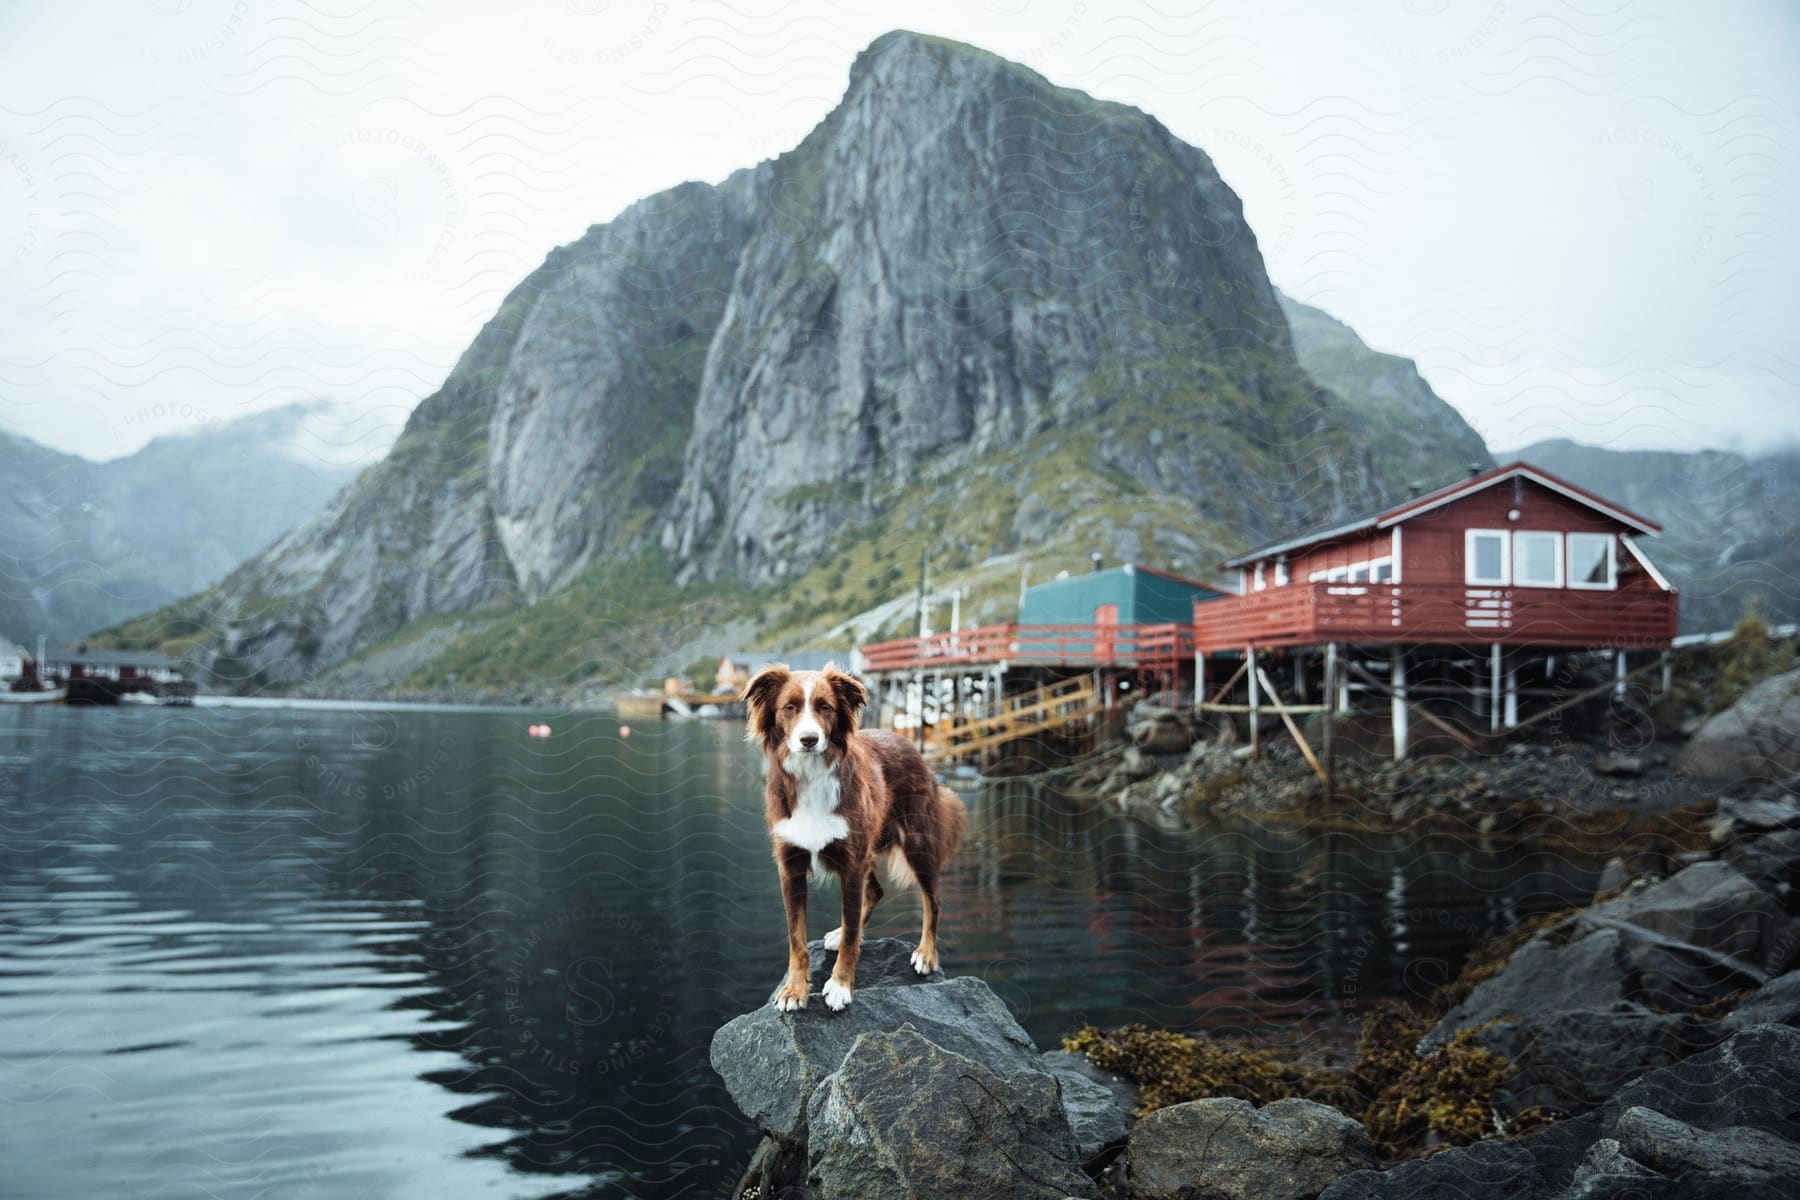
(793, 713)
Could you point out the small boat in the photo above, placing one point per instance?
(35, 695)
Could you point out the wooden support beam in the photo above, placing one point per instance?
(1293, 729)
(1667, 674)
(1266, 708)
(1433, 718)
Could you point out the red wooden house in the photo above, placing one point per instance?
(1511, 565)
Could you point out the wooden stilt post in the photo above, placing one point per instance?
(1511, 716)
(1199, 679)
(1668, 674)
(1255, 703)
(1300, 677)
(1397, 668)
(1494, 688)
(1328, 742)
(1618, 675)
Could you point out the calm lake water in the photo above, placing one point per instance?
(348, 952)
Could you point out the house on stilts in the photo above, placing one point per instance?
(1453, 607)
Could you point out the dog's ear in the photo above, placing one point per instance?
(851, 695)
(759, 699)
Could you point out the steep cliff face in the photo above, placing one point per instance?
(555, 440)
(972, 314)
(1728, 522)
(592, 417)
(959, 259)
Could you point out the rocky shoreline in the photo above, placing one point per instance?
(1644, 1046)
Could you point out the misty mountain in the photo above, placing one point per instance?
(1728, 522)
(84, 544)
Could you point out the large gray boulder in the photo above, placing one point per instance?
(1611, 993)
(1673, 1147)
(1776, 1002)
(1756, 739)
(772, 1061)
(904, 1119)
(923, 1087)
(1227, 1149)
(1099, 1104)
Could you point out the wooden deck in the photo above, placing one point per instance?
(1140, 646)
(1307, 614)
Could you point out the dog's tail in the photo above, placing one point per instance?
(953, 821)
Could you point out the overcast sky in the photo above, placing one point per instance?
(1579, 219)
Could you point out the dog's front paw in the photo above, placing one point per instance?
(834, 938)
(924, 961)
(837, 996)
(791, 997)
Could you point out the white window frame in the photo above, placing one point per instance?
(1360, 572)
(1281, 572)
(1505, 577)
(1316, 577)
(1556, 558)
(1260, 585)
(1612, 563)
(1337, 575)
(1376, 564)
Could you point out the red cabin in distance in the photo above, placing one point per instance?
(1513, 556)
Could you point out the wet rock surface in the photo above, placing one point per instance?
(924, 1086)
(1753, 740)
(1620, 988)
(772, 1061)
(1712, 1125)
(1228, 1149)
(903, 1118)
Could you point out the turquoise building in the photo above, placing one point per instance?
(1127, 595)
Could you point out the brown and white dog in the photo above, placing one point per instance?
(839, 799)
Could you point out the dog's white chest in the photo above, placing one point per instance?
(815, 823)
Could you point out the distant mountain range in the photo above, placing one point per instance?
(1731, 524)
(86, 544)
(972, 319)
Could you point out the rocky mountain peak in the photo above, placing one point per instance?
(971, 311)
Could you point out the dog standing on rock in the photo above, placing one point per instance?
(838, 800)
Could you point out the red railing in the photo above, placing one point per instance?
(1142, 646)
(1305, 614)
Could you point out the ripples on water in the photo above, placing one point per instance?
(340, 952)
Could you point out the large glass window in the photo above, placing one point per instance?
(1537, 559)
(1485, 557)
(1591, 561)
